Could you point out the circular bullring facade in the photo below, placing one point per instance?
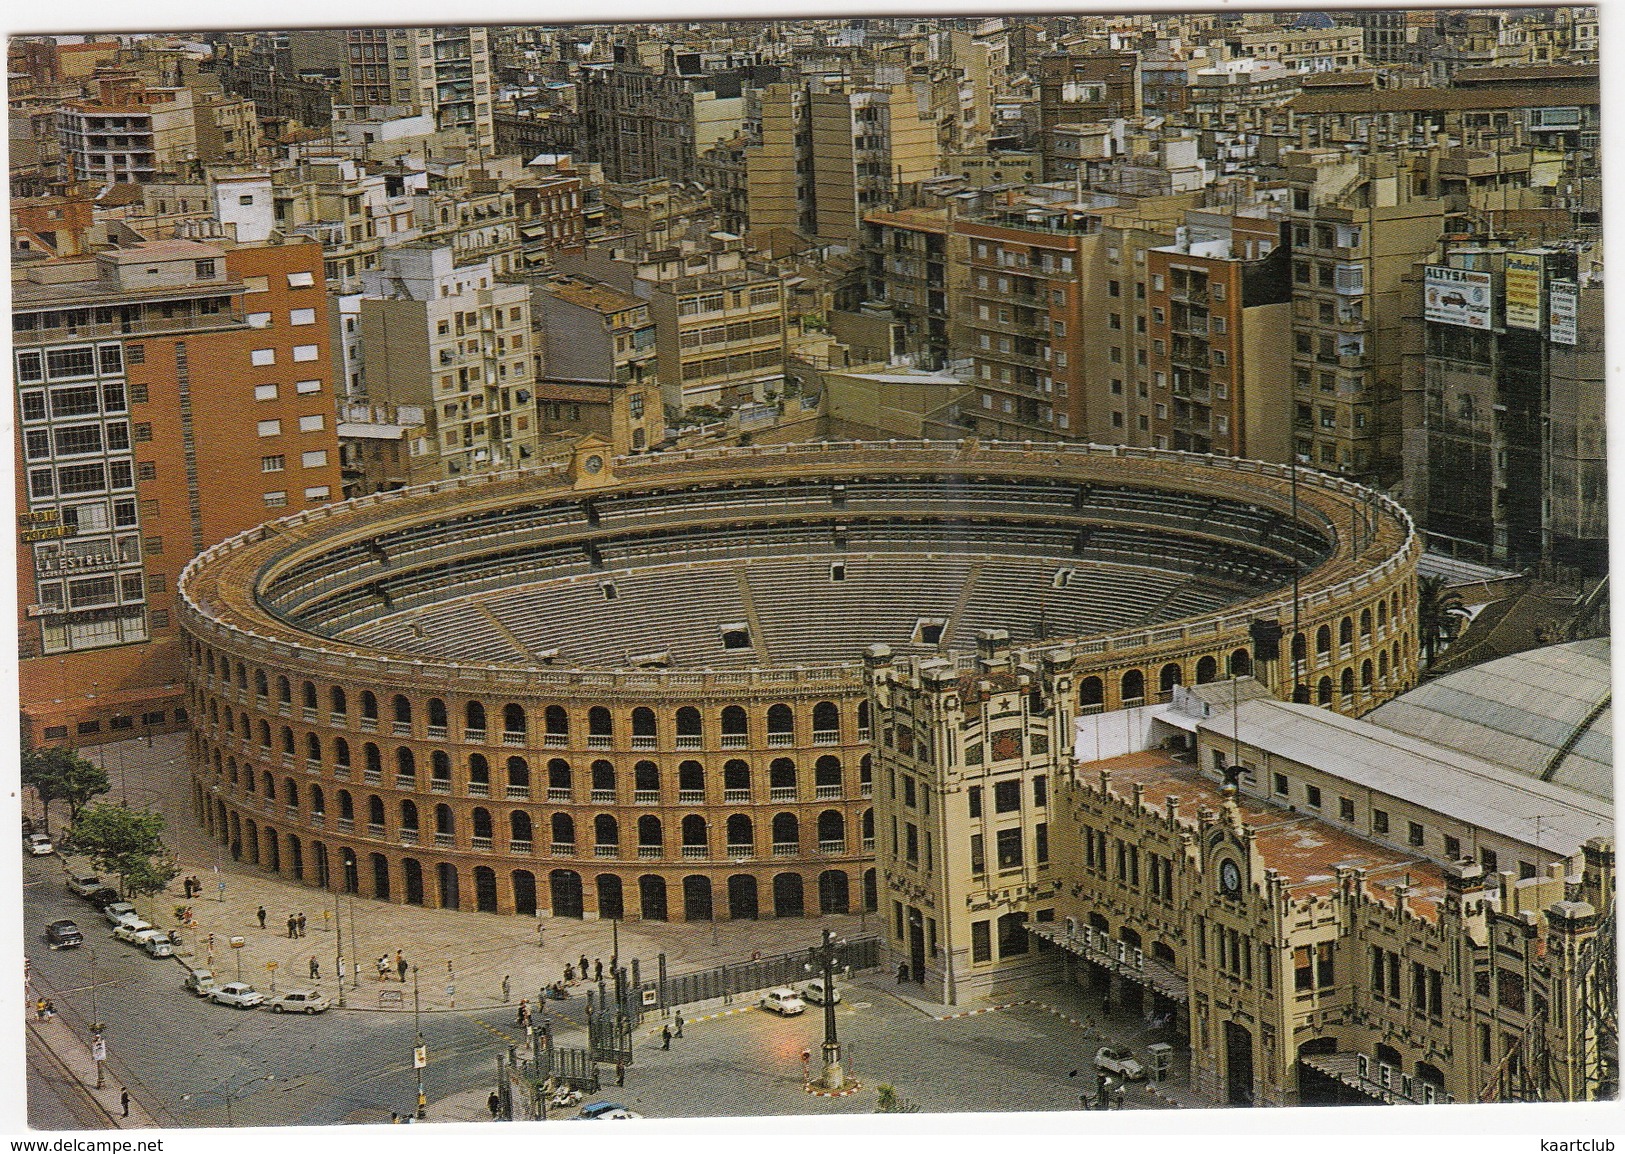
(637, 691)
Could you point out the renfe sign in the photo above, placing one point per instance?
(1453, 296)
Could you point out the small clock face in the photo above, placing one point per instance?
(1229, 877)
(594, 463)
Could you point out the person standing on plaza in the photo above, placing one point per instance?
(301, 925)
(584, 970)
(293, 926)
(315, 970)
(507, 989)
(383, 968)
(124, 1100)
(665, 1037)
(494, 1104)
(400, 965)
(679, 1025)
(620, 1073)
(598, 969)
(262, 917)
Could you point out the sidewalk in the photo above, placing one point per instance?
(72, 1053)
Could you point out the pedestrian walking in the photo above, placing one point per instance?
(39, 1009)
(620, 1073)
(50, 1009)
(679, 1025)
(569, 972)
(584, 970)
(598, 969)
(315, 970)
(1119, 1096)
(301, 925)
(506, 989)
(262, 917)
(383, 968)
(124, 1100)
(400, 965)
(341, 971)
(665, 1037)
(293, 926)
(494, 1104)
(522, 1018)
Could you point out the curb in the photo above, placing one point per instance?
(707, 1018)
(850, 1088)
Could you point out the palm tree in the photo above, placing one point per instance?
(1439, 615)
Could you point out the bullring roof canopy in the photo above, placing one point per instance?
(798, 556)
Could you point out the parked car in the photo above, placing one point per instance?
(1119, 1060)
(84, 884)
(156, 943)
(61, 935)
(131, 931)
(39, 845)
(298, 1002)
(118, 912)
(813, 992)
(239, 994)
(783, 1001)
(103, 897)
(201, 982)
(606, 1110)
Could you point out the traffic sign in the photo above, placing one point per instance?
(98, 1048)
(420, 1057)
(236, 943)
(270, 965)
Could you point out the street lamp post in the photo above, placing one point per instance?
(419, 1056)
(338, 949)
(833, 1078)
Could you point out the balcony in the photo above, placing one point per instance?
(557, 741)
(375, 829)
(646, 797)
(782, 793)
(474, 736)
(445, 840)
(780, 740)
(786, 848)
(285, 708)
(643, 741)
(292, 812)
(439, 785)
(606, 851)
(373, 777)
(735, 740)
(436, 732)
(369, 725)
(826, 737)
(513, 737)
(519, 845)
(341, 773)
(401, 729)
(740, 852)
(517, 793)
(312, 765)
(835, 846)
(736, 796)
(318, 820)
(649, 851)
(696, 851)
(868, 845)
(864, 733)
(867, 789)
(479, 789)
(345, 825)
(600, 741)
(483, 843)
(405, 781)
(409, 837)
(558, 793)
(691, 796)
(603, 796)
(689, 741)
(827, 792)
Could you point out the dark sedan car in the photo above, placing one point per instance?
(62, 934)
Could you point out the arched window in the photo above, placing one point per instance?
(694, 835)
(1170, 676)
(374, 761)
(369, 706)
(265, 736)
(287, 741)
(406, 765)
(646, 781)
(513, 723)
(736, 780)
(600, 723)
(259, 683)
(559, 778)
(780, 721)
(482, 825)
(1323, 642)
(1382, 615)
(1091, 695)
(318, 801)
(556, 721)
(1365, 675)
(863, 714)
(307, 692)
(1300, 647)
(1348, 683)
(649, 833)
(1207, 669)
(1323, 691)
(437, 717)
(290, 792)
(831, 832)
(827, 776)
(1345, 631)
(1382, 667)
(643, 727)
(1133, 688)
(445, 822)
(603, 780)
(735, 723)
(519, 831)
(339, 705)
(518, 777)
(691, 781)
(284, 690)
(346, 806)
(1241, 663)
(741, 837)
(474, 721)
(688, 725)
(403, 712)
(1365, 623)
(375, 810)
(440, 770)
(409, 816)
(781, 779)
(786, 833)
(313, 749)
(341, 754)
(826, 719)
(606, 832)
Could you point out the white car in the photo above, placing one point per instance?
(84, 884)
(119, 912)
(783, 1001)
(156, 943)
(298, 1002)
(131, 931)
(1119, 1060)
(201, 982)
(813, 992)
(39, 844)
(239, 994)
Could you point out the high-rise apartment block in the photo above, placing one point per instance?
(169, 395)
(445, 72)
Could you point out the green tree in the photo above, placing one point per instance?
(58, 774)
(1439, 615)
(126, 842)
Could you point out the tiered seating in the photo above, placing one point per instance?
(1021, 596)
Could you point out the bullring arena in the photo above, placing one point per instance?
(634, 688)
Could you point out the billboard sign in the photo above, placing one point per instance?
(1523, 284)
(1563, 312)
(1454, 296)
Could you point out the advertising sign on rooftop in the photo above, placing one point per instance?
(1453, 296)
(1523, 290)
